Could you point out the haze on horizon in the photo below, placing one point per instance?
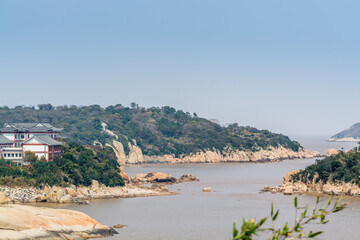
(292, 67)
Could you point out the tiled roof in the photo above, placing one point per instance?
(45, 139)
(5, 140)
(31, 127)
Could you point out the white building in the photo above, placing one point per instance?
(39, 138)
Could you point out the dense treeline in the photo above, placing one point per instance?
(156, 130)
(342, 167)
(78, 165)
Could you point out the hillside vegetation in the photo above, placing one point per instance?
(343, 167)
(157, 131)
(78, 165)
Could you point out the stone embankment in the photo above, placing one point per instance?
(289, 187)
(81, 195)
(28, 222)
(136, 156)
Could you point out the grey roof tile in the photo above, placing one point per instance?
(5, 140)
(45, 139)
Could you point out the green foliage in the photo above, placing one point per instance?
(78, 165)
(250, 228)
(30, 157)
(343, 167)
(157, 131)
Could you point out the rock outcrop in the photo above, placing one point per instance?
(207, 189)
(27, 222)
(75, 194)
(136, 156)
(155, 177)
(160, 177)
(331, 152)
(187, 178)
(289, 187)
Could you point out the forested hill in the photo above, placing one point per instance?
(339, 168)
(156, 130)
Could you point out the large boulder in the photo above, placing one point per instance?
(188, 178)
(288, 190)
(207, 189)
(27, 222)
(3, 198)
(160, 177)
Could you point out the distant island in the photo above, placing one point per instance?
(351, 134)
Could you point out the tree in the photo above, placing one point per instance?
(251, 228)
(43, 159)
(30, 157)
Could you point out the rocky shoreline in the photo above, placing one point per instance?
(136, 156)
(28, 222)
(334, 189)
(81, 194)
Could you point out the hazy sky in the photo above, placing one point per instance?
(287, 66)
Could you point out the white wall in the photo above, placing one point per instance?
(35, 148)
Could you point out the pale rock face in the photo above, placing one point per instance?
(301, 187)
(331, 152)
(135, 155)
(27, 222)
(3, 198)
(119, 151)
(288, 190)
(332, 189)
(70, 192)
(209, 156)
(94, 185)
(288, 176)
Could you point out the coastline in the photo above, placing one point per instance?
(136, 156)
(78, 195)
(290, 187)
(221, 162)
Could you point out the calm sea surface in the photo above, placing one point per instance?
(197, 215)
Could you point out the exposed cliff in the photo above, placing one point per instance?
(215, 156)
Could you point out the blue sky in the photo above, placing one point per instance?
(287, 66)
